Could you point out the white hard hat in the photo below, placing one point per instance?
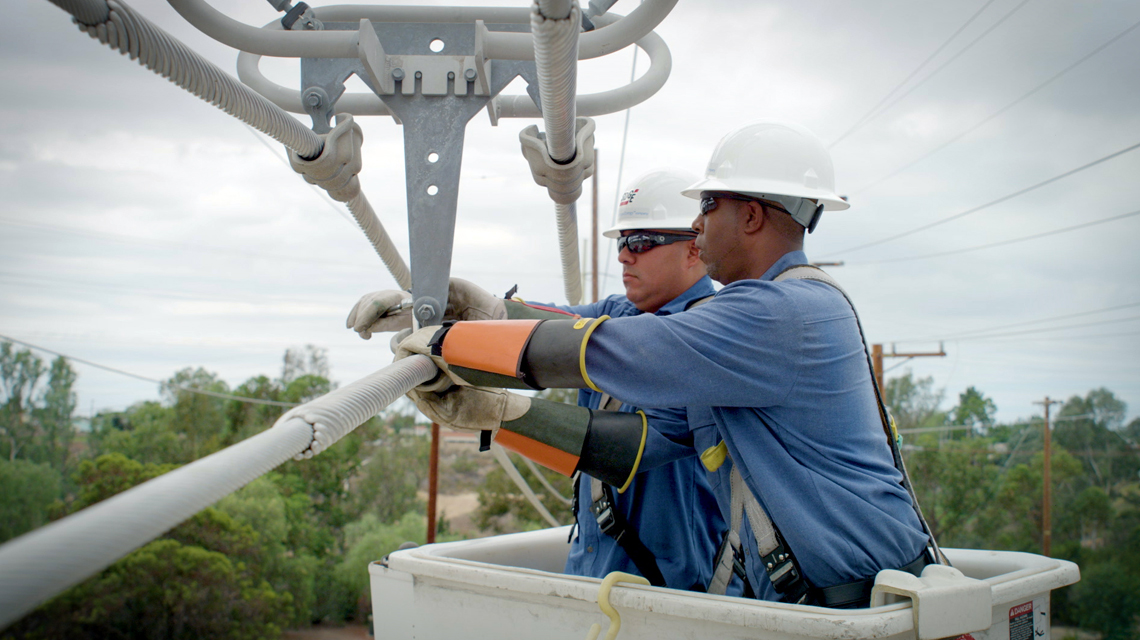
(771, 159)
(654, 201)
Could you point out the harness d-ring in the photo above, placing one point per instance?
(610, 580)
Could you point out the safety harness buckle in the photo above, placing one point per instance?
(785, 574)
(607, 517)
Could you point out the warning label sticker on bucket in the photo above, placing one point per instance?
(1021, 622)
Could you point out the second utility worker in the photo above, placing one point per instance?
(663, 522)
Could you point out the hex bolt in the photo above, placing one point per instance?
(397, 74)
(313, 99)
(424, 312)
(469, 74)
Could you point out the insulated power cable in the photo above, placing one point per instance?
(988, 204)
(999, 112)
(933, 73)
(204, 392)
(1002, 242)
(866, 116)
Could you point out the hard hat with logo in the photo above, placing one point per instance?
(654, 201)
(777, 161)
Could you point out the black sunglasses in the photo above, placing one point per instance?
(644, 241)
(708, 203)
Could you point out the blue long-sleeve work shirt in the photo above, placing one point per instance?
(670, 503)
(781, 368)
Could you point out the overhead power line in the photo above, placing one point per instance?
(1047, 329)
(1003, 242)
(968, 334)
(999, 112)
(868, 116)
(933, 73)
(204, 392)
(988, 204)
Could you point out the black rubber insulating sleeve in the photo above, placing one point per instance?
(553, 356)
(557, 424)
(613, 445)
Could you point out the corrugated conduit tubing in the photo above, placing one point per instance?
(555, 25)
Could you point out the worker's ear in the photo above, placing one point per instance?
(693, 255)
(751, 217)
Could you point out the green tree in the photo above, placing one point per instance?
(199, 417)
(27, 489)
(953, 482)
(144, 433)
(1089, 428)
(913, 402)
(974, 410)
(35, 414)
(1020, 492)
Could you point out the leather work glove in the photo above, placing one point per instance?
(471, 408)
(378, 312)
(419, 342)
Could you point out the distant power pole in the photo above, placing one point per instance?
(877, 356)
(1047, 482)
(433, 482)
(594, 240)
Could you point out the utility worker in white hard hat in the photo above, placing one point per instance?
(777, 357)
(663, 522)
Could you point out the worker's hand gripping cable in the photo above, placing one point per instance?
(607, 445)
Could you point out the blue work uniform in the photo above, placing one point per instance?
(782, 369)
(669, 503)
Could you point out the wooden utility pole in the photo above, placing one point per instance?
(433, 482)
(877, 356)
(1047, 485)
(594, 227)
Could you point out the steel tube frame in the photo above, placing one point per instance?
(341, 44)
(509, 106)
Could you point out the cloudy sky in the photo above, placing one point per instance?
(145, 230)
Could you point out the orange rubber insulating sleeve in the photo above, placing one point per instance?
(495, 346)
(544, 454)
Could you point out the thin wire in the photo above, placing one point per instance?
(1003, 242)
(944, 65)
(1028, 322)
(320, 193)
(867, 116)
(1071, 326)
(213, 394)
(621, 167)
(988, 204)
(999, 111)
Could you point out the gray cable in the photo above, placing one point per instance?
(556, 61)
(137, 37)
